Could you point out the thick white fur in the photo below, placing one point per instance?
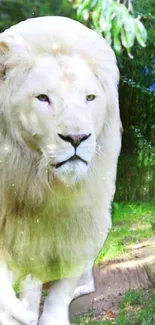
(54, 214)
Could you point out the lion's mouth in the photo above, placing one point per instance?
(73, 158)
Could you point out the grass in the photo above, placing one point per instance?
(132, 224)
(137, 308)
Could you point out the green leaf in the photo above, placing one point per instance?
(108, 36)
(104, 24)
(107, 12)
(95, 17)
(120, 10)
(141, 33)
(86, 4)
(81, 11)
(93, 3)
(117, 45)
(129, 27)
(123, 23)
(116, 26)
(130, 54)
(124, 38)
(86, 14)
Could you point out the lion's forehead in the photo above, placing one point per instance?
(62, 71)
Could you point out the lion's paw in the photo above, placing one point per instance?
(32, 319)
(53, 321)
(28, 318)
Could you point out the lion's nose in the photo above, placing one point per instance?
(74, 139)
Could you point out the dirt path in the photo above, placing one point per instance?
(114, 278)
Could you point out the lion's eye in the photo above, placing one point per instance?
(90, 97)
(43, 98)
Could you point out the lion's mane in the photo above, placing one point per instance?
(41, 224)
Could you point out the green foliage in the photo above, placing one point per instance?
(136, 169)
(114, 20)
(153, 226)
(14, 11)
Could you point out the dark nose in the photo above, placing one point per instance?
(74, 139)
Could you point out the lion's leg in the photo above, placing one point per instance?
(56, 307)
(86, 284)
(10, 305)
(6, 319)
(30, 295)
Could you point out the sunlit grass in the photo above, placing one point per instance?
(137, 308)
(132, 223)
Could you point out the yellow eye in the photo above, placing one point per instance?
(90, 97)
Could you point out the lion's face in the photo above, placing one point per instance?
(60, 109)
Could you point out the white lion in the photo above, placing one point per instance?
(59, 144)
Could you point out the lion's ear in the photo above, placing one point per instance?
(11, 49)
(4, 49)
